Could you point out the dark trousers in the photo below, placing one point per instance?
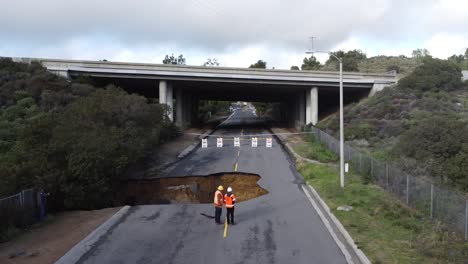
(230, 215)
(218, 212)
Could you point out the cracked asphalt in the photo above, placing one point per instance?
(279, 227)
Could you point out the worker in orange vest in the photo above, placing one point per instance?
(230, 200)
(218, 204)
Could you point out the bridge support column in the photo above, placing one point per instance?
(179, 110)
(170, 101)
(301, 110)
(166, 96)
(377, 87)
(162, 91)
(312, 106)
(187, 110)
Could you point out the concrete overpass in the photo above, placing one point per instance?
(305, 95)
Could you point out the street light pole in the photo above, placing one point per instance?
(341, 126)
(340, 60)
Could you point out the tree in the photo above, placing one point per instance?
(420, 54)
(310, 64)
(294, 68)
(180, 60)
(466, 54)
(260, 64)
(211, 62)
(457, 58)
(351, 59)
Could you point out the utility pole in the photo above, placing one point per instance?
(312, 45)
(340, 60)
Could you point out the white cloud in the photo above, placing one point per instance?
(444, 45)
(237, 33)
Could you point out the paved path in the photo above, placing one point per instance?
(279, 227)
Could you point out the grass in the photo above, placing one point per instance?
(385, 229)
(315, 151)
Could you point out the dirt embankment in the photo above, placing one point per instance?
(193, 189)
(47, 242)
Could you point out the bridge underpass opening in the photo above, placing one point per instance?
(297, 104)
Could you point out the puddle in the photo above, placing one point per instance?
(191, 189)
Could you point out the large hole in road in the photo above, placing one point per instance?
(189, 189)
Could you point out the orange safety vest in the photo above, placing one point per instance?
(229, 200)
(218, 199)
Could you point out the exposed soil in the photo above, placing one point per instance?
(47, 242)
(193, 189)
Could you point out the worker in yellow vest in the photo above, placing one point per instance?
(230, 200)
(218, 204)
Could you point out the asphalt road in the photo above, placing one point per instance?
(279, 227)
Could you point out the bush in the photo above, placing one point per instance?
(440, 142)
(433, 74)
(71, 139)
(95, 141)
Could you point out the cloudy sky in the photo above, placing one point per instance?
(236, 32)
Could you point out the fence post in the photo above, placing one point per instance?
(386, 173)
(21, 198)
(360, 162)
(432, 200)
(466, 220)
(407, 189)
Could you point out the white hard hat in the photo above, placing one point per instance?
(229, 189)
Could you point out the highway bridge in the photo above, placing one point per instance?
(305, 96)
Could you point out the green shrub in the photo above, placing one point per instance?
(71, 139)
(433, 74)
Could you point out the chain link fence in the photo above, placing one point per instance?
(19, 210)
(448, 206)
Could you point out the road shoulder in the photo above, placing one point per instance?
(47, 242)
(342, 238)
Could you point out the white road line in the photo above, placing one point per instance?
(328, 226)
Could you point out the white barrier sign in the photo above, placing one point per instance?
(219, 142)
(204, 143)
(346, 167)
(254, 142)
(236, 142)
(269, 142)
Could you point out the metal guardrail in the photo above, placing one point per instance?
(441, 203)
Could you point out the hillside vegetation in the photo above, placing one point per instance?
(72, 139)
(380, 64)
(357, 61)
(421, 124)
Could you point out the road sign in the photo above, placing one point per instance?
(236, 142)
(254, 142)
(219, 142)
(269, 142)
(204, 143)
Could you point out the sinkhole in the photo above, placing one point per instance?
(189, 189)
